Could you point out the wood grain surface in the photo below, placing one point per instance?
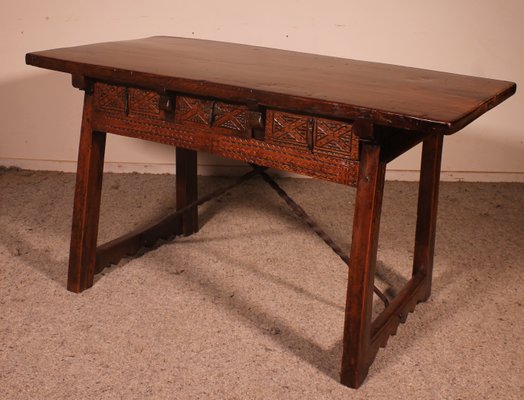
(390, 95)
(329, 118)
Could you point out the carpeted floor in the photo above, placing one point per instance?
(251, 307)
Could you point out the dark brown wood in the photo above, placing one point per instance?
(329, 118)
(395, 142)
(410, 98)
(82, 83)
(229, 130)
(87, 203)
(387, 322)
(362, 261)
(186, 189)
(165, 228)
(427, 211)
(223, 118)
(419, 287)
(129, 244)
(253, 151)
(312, 135)
(376, 334)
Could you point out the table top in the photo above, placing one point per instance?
(410, 98)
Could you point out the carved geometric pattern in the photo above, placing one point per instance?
(230, 116)
(310, 136)
(261, 152)
(144, 102)
(222, 117)
(335, 137)
(110, 98)
(286, 128)
(313, 134)
(193, 111)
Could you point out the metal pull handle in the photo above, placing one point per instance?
(310, 133)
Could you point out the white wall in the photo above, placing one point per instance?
(40, 111)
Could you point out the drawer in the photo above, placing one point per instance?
(313, 146)
(110, 98)
(214, 116)
(312, 134)
(335, 138)
(288, 129)
(127, 101)
(305, 133)
(222, 118)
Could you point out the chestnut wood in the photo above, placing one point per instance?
(392, 316)
(329, 118)
(386, 94)
(427, 211)
(362, 261)
(203, 125)
(165, 228)
(394, 142)
(86, 206)
(129, 244)
(253, 151)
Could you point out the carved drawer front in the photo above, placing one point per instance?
(305, 133)
(289, 129)
(110, 98)
(207, 115)
(145, 103)
(335, 138)
(312, 134)
(228, 119)
(127, 101)
(302, 144)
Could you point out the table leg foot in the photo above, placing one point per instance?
(363, 338)
(427, 211)
(186, 189)
(86, 203)
(357, 327)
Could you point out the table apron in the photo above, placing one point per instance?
(339, 170)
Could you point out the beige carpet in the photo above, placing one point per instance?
(251, 307)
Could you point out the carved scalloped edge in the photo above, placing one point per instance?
(156, 233)
(138, 241)
(134, 253)
(387, 323)
(401, 320)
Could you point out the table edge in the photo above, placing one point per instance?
(262, 98)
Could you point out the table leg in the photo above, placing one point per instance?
(186, 189)
(86, 207)
(427, 211)
(361, 276)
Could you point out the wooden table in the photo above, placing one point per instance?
(329, 118)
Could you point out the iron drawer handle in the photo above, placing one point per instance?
(310, 133)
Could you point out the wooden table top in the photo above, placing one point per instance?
(411, 98)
